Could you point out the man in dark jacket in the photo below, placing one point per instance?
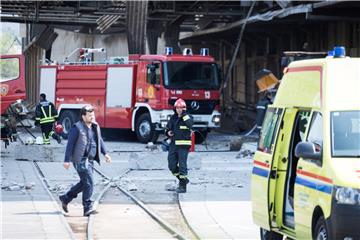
(84, 146)
(261, 108)
(46, 114)
(179, 130)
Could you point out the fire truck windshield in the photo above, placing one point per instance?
(9, 69)
(191, 75)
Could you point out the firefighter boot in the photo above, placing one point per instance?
(187, 180)
(56, 137)
(182, 186)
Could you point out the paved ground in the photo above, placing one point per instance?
(28, 211)
(216, 206)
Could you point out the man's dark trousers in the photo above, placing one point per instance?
(177, 160)
(85, 185)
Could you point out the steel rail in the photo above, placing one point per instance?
(163, 223)
(185, 219)
(44, 182)
(89, 229)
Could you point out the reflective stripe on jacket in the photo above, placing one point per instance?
(46, 112)
(181, 127)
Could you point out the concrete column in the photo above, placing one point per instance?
(136, 26)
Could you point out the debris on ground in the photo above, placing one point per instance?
(128, 185)
(58, 188)
(245, 154)
(247, 150)
(14, 186)
(151, 146)
(29, 185)
(131, 187)
(236, 144)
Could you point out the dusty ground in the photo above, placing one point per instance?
(221, 177)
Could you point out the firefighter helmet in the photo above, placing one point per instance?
(180, 103)
(59, 129)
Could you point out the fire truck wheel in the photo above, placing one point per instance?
(200, 136)
(67, 120)
(145, 130)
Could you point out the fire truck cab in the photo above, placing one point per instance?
(12, 80)
(137, 92)
(12, 94)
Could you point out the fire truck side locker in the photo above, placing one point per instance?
(120, 96)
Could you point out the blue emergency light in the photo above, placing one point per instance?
(331, 53)
(169, 51)
(204, 52)
(339, 52)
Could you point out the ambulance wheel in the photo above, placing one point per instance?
(67, 120)
(145, 130)
(321, 232)
(269, 235)
(200, 136)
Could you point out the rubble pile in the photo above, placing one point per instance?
(15, 186)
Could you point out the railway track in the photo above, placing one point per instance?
(122, 214)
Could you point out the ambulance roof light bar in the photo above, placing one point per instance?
(330, 54)
(339, 52)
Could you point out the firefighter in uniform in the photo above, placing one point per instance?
(261, 108)
(178, 129)
(46, 114)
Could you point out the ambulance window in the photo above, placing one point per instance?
(345, 134)
(315, 133)
(269, 129)
(154, 67)
(303, 121)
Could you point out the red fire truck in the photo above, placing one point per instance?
(136, 92)
(12, 91)
(12, 80)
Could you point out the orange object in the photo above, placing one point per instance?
(266, 82)
(192, 148)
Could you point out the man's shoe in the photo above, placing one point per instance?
(90, 212)
(182, 186)
(63, 204)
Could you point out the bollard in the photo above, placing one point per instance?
(192, 148)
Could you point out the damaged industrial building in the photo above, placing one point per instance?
(245, 37)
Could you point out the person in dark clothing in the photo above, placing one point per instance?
(178, 129)
(84, 146)
(46, 115)
(261, 108)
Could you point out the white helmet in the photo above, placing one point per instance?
(39, 140)
(29, 141)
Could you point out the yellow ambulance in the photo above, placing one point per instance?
(305, 180)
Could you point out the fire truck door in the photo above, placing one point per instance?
(119, 97)
(153, 80)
